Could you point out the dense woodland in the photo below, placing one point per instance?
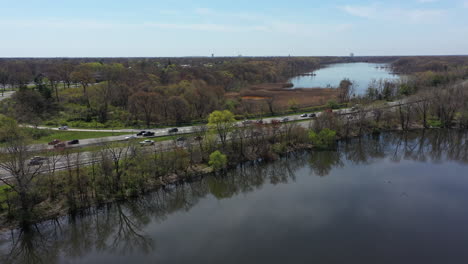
(120, 92)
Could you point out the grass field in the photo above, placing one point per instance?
(69, 135)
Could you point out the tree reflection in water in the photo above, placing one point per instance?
(118, 228)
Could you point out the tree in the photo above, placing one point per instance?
(15, 161)
(4, 79)
(145, 103)
(218, 160)
(270, 102)
(64, 70)
(29, 106)
(54, 80)
(84, 75)
(223, 122)
(346, 90)
(423, 106)
(178, 109)
(324, 139)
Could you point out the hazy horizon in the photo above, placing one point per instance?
(143, 28)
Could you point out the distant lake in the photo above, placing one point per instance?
(389, 198)
(360, 73)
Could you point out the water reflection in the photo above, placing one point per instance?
(122, 228)
(362, 74)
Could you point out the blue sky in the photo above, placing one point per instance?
(52, 28)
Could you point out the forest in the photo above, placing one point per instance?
(146, 92)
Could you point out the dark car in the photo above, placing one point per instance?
(304, 115)
(312, 115)
(36, 161)
(148, 134)
(73, 142)
(259, 122)
(141, 133)
(173, 130)
(285, 119)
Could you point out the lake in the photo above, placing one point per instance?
(360, 73)
(389, 198)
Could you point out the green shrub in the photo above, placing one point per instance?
(218, 160)
(279, 148)
(434, 122)
(326, 138)
(333, 105)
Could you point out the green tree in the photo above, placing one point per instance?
(223, 122)
(218, 160)
(324, 139)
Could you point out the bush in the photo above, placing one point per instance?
(323, 140)
(333, 105)
(433, 122)
(279, 148)
(218, 160)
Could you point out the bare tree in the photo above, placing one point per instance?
(21, 174)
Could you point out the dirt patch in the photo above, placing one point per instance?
(257, 98)
(254, 97)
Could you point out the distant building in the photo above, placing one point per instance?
(351, 55)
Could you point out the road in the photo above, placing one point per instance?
(6, 95)
(87, 158)
(160, 132)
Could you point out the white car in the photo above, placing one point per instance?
(147, 142)
(63, 128)
(130, 137)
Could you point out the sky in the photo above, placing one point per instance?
(153, 28)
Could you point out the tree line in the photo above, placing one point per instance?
(151, 90)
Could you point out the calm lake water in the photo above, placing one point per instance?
(360, 73)
(393, 198)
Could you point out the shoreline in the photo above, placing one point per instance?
(194, 172)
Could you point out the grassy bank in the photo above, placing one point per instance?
(45, 136)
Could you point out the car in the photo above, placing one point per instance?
(60, 145)
(147, 142)
(63, 128)
(350, 117)
(54, 142)
(173, 130)
(304, 115)
(259, 121)
(141, 133)
(285, 119)
(34, 161)
(130, 137)
(73, 142)
(181, 139)
(312, 115)
(148, 134)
